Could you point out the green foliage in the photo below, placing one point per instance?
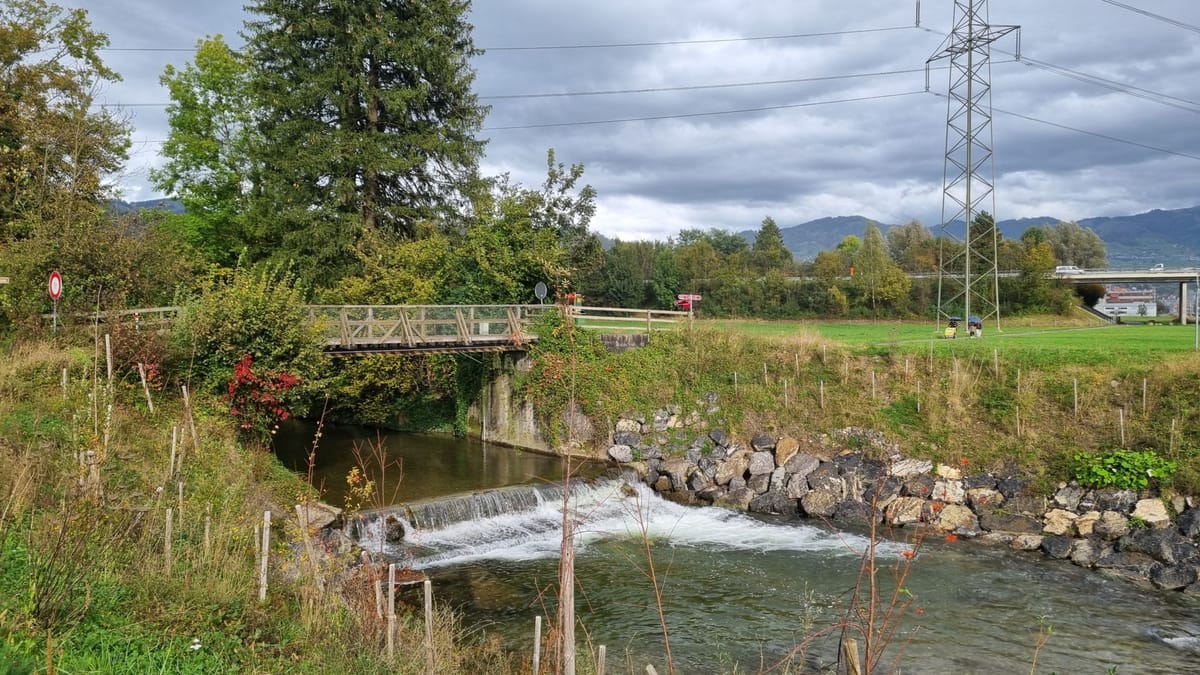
(368, 123)
(257, 311)
(208, 150)
(1124, 469)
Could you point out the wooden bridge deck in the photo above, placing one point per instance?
(349, 330)
(369, 329)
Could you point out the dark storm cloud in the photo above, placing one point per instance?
(791, 152)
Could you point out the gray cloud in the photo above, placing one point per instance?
(877, 157)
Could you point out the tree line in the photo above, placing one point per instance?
(338, 154)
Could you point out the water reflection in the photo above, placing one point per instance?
(432, 465)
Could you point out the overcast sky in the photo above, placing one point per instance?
(852, 132)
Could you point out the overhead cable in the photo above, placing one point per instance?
(700, 114)
(1095, 134)
(1152, 15)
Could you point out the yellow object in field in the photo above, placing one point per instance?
(951, 331)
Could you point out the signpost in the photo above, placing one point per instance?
(55, 285)
(688, 300)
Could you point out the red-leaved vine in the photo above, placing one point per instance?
(256, 400)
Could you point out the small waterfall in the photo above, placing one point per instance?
(525, 523)
(444, 511)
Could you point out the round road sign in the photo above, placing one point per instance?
(55, 284)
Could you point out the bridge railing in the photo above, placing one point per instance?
(615, 319)
(353, 326)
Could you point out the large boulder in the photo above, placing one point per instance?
(797, 486)
(737, 498)
(621, 453)
(826, 478)
(733, 467)
(984, 499)
(761, 461)
(957, 518)
(762, 442)
(719, 437)
(820, 503)
(949, 491)
(1152, 512)
(679, 469)
(1059, 522)
(786, 448)
(625, 424)
(1166, 545)
(759, 483)
(1112, 499)
(904, 510)
(1007, 522)
(1068, 496)
(629, 438)
(802, 464)
(774, 502)
(1086, 522)
(1173, 577)
(907, 468)
(1058, 547)
(1189, 523)
(918, 486)
(1086, 552)
(1111, 525)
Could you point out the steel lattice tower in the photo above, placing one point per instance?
(968, 278)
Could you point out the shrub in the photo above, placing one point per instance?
(1124, 469)
(254, 316)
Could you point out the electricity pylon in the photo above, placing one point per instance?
(968, 278)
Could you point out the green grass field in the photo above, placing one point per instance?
(1036, 340)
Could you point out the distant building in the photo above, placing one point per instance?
(1129, 302)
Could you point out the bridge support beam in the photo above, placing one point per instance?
(1183, 304)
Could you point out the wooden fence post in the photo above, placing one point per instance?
(537, 644)
(167, 536)
(391, 612)
(145, 386)
(600, 659)
(430, 665)
(266, 554)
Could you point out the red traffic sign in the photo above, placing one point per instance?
(55, 284)
(691, 297)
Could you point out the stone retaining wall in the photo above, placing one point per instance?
(837, 477)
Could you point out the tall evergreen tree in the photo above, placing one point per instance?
(769, 251)
(368, 122)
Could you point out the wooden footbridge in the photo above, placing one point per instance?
(349, 330)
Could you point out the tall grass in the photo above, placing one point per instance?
(83, 569)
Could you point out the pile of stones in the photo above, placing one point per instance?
(839, 478)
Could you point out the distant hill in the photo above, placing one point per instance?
(1170, 237)
(121, 207)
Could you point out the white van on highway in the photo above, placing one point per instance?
(1067, 269)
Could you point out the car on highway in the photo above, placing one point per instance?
(1156, 267)
(1067, 269)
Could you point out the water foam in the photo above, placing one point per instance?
(608, 510)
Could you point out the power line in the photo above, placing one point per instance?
(1088, 133)
(605, 45)
(699, 114)
(674, 43)
(1121, 87)
(644, 90)
(1152, 15)
(700, 87)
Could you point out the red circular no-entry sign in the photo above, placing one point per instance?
(55, 284)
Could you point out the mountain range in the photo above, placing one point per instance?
(1171, 237)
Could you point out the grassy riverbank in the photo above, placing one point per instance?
(86, 477)
(86, 581)
(1028, 399)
